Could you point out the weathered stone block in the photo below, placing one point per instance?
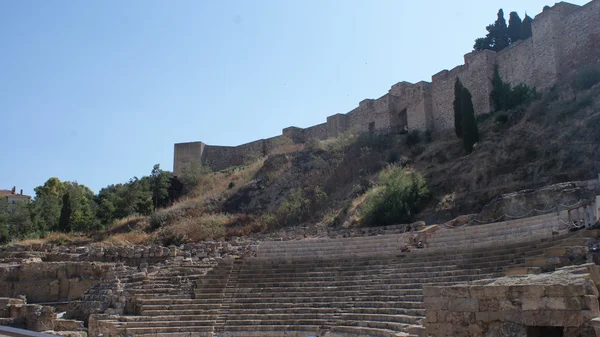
(463, 304)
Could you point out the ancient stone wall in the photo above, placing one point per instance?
(50, 281)
(566, 300)
(220, 157)
(414, 100)
(565, 38)
(337, 124)
(581, 44)
(185, 154)
(250, 151)
(316, 132)
(517, 63)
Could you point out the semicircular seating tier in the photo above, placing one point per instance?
(360, 286)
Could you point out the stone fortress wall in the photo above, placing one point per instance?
(565, 37)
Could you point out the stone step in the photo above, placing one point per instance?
(357, 274)
(163, 330)
(164, 323)
(427, 254)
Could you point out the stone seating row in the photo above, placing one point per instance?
(361, 295)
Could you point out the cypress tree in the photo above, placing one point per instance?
(499, 91)
(526, 27)
(458, 87)
(469, 124)
(499, 32)
(65, 214)
(514, 27)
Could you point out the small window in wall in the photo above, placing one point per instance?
(371, 127)
(545, 331)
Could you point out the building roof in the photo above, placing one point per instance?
(8, 193)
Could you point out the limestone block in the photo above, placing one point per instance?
(461, 291)
(463, 304)
(431, 316)
(436, 303)
(68, 325)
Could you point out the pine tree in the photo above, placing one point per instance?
(497, 37)
(65, 214)
(526, 27)
(500, 32)
(458, 87)
(469, 124)
(514, 27)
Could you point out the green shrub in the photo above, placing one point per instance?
(376, 141)
(502, 118)
(506, 97)
(586, 78)
(299, 206)
(392, 157)
(403, 194)
(413, 138)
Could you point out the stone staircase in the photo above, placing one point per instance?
(336, 287)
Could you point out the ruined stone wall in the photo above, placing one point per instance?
(186, 153)
(337, 124)
(50, 281)
(517, 63)
(250, 151)
(316, 132)
(220, 157)
(415, 99)
(581, 45)
(566, 299)
(564, 38)
(373, 112)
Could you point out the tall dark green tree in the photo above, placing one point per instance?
(458, 87)
(497, 37)
(469, 124)
(526, 27)
(514, 27)
(64, 223)
(500, 91)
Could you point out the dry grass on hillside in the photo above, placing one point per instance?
(59, 239)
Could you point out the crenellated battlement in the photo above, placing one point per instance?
(565, 37)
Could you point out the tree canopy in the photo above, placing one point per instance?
(500, 35)
(70, 206)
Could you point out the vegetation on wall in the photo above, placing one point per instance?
(505, 97)
(500, 35)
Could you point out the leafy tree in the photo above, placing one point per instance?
(526, 27)
(65, 214)
(469, 124)
(46, 205)
(458, 87)
(19, 221)
(83, 208)
(192, 175)
(159, 181)
(497, 37)
(514, 27)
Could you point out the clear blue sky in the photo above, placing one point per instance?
(99, 91)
